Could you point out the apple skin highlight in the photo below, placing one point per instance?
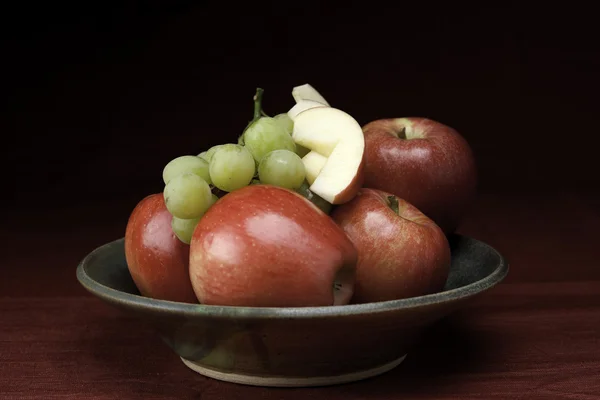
(157, 260)
(265, 246)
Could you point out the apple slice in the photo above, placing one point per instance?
(307, 92)
(303, 105)
(338, 138)
(313, 164)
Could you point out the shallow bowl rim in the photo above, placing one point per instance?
(228, 312)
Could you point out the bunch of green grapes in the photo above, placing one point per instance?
(265, 154)
(187, 193)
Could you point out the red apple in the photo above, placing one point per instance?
(266, 246)
(401, 252)
(158, 262)
(424, 162)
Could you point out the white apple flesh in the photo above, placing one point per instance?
(313, 164)
(307, 92)
(338, 137)
(302, 106)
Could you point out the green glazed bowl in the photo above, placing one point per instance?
(294, 347)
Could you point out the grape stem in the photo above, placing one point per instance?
(258, 111)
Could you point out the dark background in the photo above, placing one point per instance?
(98, 96)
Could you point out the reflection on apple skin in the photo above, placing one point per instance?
(267, 229)
(265, 246)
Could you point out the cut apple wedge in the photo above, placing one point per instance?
(313, 164)
(338, 138)
(307, 92)
(302, 106)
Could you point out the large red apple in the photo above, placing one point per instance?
(424, 162)
(401, 252)
(157, 260)
(266, 246)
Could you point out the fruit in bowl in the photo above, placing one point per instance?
(158, 261)
(402, 252)
(293, 254)
(267, 246)
(425, 162)
(394, 188)
(269, 240)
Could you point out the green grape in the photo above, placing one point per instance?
(285, 121)
(182, 164)
(265, 135)
(232, 167)
(282, 168)
(184, 228)
(187, 196)
(305, 191)
(208, 154)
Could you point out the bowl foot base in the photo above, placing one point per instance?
(285, 381)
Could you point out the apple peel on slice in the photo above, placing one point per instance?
(338, 138)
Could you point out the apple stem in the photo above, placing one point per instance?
(402, 134)
(393, 200)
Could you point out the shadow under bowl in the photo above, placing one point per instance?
(294, 347)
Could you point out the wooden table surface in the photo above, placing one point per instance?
(534, 336)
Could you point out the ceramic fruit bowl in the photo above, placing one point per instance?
(294, 347)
